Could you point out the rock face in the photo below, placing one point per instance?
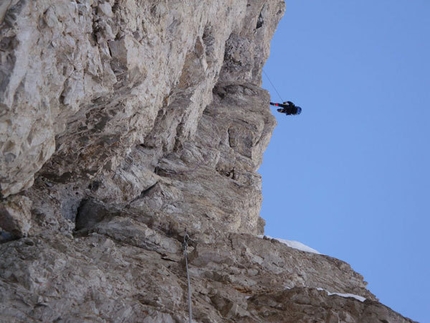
(125, 124)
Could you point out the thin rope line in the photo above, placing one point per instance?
(273, 86)
(185, 244)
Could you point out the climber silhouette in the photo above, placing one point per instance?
(288, 107)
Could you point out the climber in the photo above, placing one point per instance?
(288, 107)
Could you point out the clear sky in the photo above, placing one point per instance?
(350, 176)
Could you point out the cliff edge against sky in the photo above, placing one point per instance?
(125, 124)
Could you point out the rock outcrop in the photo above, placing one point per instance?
(126, 124)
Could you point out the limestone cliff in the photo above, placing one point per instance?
(125, 124)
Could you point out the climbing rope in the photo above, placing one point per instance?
(273, 86)
(185, 246)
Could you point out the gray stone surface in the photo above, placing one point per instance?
(15, 215)
(125, 124)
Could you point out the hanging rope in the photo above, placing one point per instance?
(273, 86)
(185, 246)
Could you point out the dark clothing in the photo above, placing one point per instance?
(288, 107)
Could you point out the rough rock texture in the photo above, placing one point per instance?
(125, 124)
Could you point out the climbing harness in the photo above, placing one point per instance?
(185, 247)
(273, 86)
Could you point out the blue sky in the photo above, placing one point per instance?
(350, 176)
